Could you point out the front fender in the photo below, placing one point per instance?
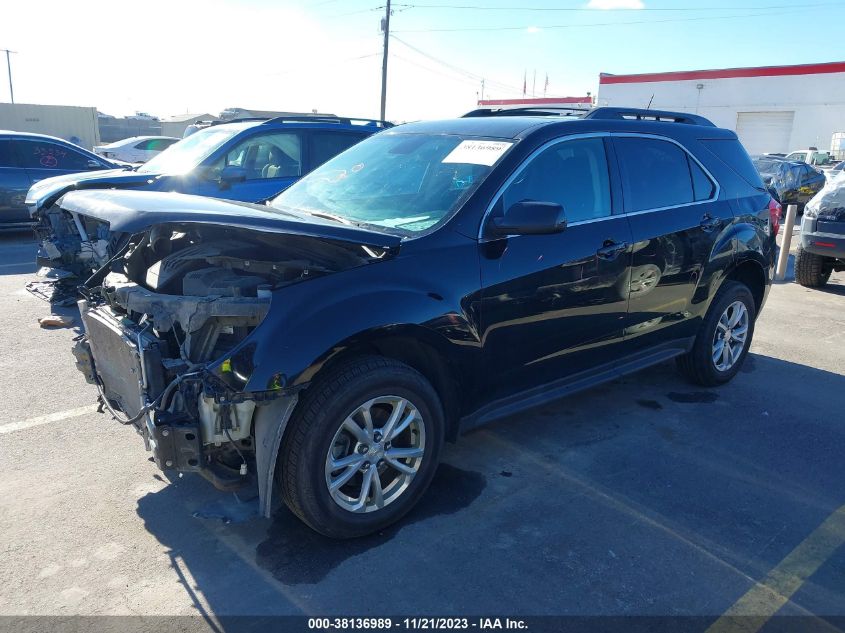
(311, 322)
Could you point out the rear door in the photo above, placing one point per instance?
(554, 306)
(43, 159)
(14, 183)
(677, 223)
(323, 146)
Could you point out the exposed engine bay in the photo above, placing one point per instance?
(164, 319)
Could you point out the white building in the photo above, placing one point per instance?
(771, 108)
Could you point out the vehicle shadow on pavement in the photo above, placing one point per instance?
(643, 496)
(17, 252)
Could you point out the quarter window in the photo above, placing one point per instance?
(702, 186)
(572, 173)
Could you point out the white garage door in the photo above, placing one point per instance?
(762, 132)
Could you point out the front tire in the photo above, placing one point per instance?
(722, 342)
(361, 448)
(811, 270)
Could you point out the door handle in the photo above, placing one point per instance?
(709, 223)
(611, 249)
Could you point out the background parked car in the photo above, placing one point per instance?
(247, 161)
(811, 156)
(27, 158)
(136, 149)
(822, 247)
(789, 182)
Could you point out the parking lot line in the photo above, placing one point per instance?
(47, 419)
(767, 596)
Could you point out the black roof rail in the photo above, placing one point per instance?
(638, 114)
(527, 111)
(240, 120)
(328, 118)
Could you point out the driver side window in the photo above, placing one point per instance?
(572, 173)
(266, 156)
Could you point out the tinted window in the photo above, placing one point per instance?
(573, 174)
(266, 156)
(329, 144)
(733, 154)
(702, 186)
(143, 145)
(7, 159)
(655, 174)
(45, 155)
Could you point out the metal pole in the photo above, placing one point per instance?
(786, 241)
(384, 60)
(9, 67)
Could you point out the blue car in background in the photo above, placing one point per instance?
(26, 159)
(248, 160)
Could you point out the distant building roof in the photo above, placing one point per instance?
(182, 118)
(726, 73)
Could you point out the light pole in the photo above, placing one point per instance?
(9, 68)
(386, 29)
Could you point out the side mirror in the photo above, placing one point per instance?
(231, 174)
(530, 217)
(93, 164)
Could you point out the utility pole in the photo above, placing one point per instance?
(9, 67)
(385, 26)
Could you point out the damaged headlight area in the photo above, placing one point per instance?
(166, 328)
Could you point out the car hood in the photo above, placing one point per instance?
(135, 211)
(45, 192)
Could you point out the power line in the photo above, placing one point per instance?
(589, 25)
(462, 71)
(473, 7)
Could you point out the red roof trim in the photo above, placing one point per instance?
(537, 101)
(726, 73)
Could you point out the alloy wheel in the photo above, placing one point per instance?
(730, 336)
(375, 454)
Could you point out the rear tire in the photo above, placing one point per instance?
(811, 270)
(348, 480)
(707, 364)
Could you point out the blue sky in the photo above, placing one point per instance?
(193, 55)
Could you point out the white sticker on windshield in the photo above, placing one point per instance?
(477, 152)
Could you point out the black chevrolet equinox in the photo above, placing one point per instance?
(434, 277)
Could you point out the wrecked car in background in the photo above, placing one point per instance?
(822, 247)
(789, 182)
(248, 161)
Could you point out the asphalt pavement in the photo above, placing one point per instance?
(646, 496)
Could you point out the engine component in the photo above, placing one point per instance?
(216, 418)
(220, 282)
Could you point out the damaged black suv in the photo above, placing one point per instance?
(432, 278)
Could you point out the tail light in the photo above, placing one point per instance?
(774, 216)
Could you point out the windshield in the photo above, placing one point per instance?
(185, 155)
(408, 182)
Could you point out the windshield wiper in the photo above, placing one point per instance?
(330, 216)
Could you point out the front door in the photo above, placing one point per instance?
(268, 163)
(554, 305)
(680, 238)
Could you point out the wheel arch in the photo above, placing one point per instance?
(752, 274)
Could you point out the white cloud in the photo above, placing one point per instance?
(610, 5)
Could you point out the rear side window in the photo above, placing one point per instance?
(44, 155)
(326, 145)
(655, 174)
(7, 159)
(733, 154)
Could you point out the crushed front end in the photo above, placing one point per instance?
(163, 325)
